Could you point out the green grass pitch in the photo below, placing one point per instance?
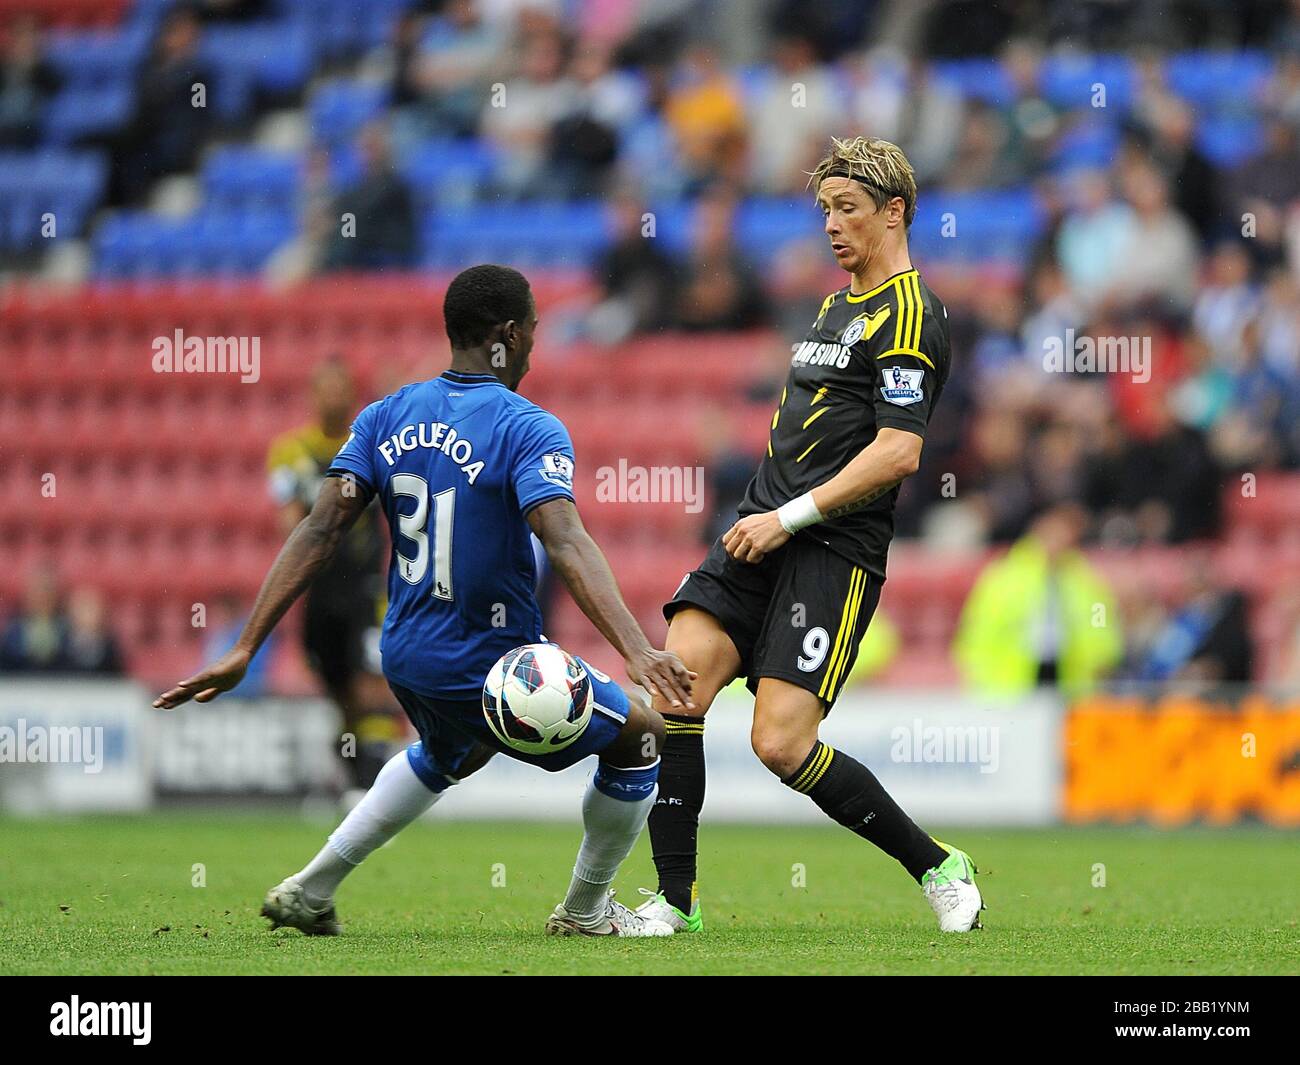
(118, 896)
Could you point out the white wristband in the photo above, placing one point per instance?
(798, 514)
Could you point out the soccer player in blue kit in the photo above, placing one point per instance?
(464, 467)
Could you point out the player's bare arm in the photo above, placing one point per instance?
(893, 456)
(309, 547)
(586, 573)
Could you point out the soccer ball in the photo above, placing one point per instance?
(537, 698)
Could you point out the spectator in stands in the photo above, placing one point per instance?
(1206, 640)
(446, 69)
(27, 84)
(1034, 121)
(36, 638)
(384, 233)
(929, 122)
(637, 279)
(791, 118)
(1040, 615)
(91, 645)
(719, 287)
(1169, 136)
(1227, 302)
(1264, 186)
(171, 117)
(519, 119)
(707, 118)
(1159, 257)
(584, 140)
(1094, 233)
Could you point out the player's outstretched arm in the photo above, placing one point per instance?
(894, 455)
(586, 573)
(308, 548)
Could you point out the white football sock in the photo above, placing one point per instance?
(612, 825)
(396, 798)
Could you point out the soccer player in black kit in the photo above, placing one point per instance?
(785, 596)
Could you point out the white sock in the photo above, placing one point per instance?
(614, 811)
(396, 798)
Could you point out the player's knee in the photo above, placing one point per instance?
(639, 741)
(782, 752)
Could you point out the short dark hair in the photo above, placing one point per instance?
(482, 297)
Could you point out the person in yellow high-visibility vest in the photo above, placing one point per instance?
(1040, 615)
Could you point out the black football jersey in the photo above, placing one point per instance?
(870, 361)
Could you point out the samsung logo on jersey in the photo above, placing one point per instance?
(437, 436)
(811, 353)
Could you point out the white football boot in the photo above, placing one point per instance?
(950, 889)
(617, 920)
(658, 908)
(286, 905)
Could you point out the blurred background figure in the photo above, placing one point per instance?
(28, 82)
(346, 601)
(373, 223)
(1040, 616)
(35, 636)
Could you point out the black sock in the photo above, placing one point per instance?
(849, 793)
(675, 819)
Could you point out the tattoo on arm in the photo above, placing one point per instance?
(858, 504)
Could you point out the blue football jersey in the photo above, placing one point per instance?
(457, 463)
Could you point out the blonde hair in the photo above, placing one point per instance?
(877, 164)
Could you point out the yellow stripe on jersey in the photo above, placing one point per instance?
(839, 635)
(915, 282)
(815, 416)
(826, 304)
(877, 290)
(848, 644)
(811, 446)
(902, 314)
(684, 727)
(821, 394)
(908, 351)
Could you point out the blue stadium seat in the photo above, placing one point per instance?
(87, 58)
(1092, 142)
(276, 57)
(977, 79)
(993, 225)
(79, 112)
(449, 172)
(342, 28)
(1069, 80)
(137, 244)
(340, 108)
(240, 178)
(1231, 80)
(1229, 140)
(526, 234)
(32, 183)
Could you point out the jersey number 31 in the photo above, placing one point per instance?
(413, 526)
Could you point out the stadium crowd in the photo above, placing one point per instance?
(1154, 206)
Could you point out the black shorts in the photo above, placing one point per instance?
(797, 615)
(334, 637)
